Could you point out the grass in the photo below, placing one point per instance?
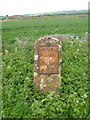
(37, 28)
(20, 99)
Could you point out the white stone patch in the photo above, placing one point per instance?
(37, 67)
(42, 43)
(59, 69)
(1, 53)
(60, 43)
(41, 86)
(50, 41)
(60, 60)
(59, 75)
(35, 57)
(59, 47)
(35, 74)
(42, 83)
(42, 80)
(42, 76)
(55, 39)
(40, 39)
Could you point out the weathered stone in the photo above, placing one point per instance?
(47, 63)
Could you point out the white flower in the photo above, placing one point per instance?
(71, 36)
(77, 38)
(77, 50)
(77, 101)
(59, 47)
(85, 95)
(27, 78)
(75, 93)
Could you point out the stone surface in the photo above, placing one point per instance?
(47, 63)
(48, 59)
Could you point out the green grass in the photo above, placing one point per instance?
(37, 28)
(20, 99)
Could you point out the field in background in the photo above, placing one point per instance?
(20, 99)
(47, 15)
(41, 27)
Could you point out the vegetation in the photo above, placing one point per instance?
(70, 12)
(47, 15)
(19, 98)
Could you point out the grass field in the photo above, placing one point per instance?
(20, 99)
(37, 28)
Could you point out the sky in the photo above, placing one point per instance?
(19, 7)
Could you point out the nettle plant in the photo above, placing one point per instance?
(21, 100)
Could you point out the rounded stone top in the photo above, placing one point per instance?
(56, 36)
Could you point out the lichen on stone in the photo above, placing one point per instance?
(35, 57)
(35, 74)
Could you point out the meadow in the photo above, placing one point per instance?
(19, 98)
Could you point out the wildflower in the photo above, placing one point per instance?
(71, 36)
(77, 101)
(75, 93)
(27, 78)
(77, 37)
(77, 50)
(85, 95)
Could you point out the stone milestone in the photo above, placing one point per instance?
(47, 63)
